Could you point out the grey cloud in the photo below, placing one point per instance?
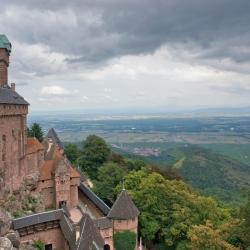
(236, 89)
(22, 83)
(96, 31)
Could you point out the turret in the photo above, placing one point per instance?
(124, 213)
(5, 50)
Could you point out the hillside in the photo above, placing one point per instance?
(212, 173)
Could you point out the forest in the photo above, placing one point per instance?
(174, 215)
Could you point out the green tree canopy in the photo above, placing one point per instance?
(207, 238)
(35, 131)
(109, 176)
(72, 152)
(94, 153)
(169, 208)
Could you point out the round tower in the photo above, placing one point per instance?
(124, 214)
(5, 50)
(13, 112)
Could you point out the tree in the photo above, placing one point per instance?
(206, 237)
(169, 208)
(242, 234)
(109, 176)
(135, 164)
(125, 240)
(72, 152)
(35, 131)
(94, 153)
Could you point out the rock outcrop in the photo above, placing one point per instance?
(5, 244)
(5, 222)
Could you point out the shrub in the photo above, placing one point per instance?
(125, 240)
(38, 244)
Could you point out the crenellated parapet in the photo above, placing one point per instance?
(13, 110)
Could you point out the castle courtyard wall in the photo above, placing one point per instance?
(53, 236)
(73, 196)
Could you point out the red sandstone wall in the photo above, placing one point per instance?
(121, 225)
(12, 147)
(107, 235)
(53, 236)
(85, 201)
(49, 197)
(73, 196)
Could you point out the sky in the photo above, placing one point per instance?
(127, 54)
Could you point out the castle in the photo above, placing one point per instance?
(74, 217)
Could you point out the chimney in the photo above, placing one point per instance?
(5, 49)
(13, 86)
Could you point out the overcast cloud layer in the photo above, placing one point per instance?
(126, 53)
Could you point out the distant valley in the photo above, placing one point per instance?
(210, 153)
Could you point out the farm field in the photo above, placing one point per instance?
(212, 154)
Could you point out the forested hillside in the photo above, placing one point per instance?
(213, 173)
(173, 214)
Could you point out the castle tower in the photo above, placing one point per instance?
(13, 112)
(124, 214)
(5, 49)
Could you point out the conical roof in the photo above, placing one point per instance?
(123, 208)
(5, 43)
(90, 237)
(53, 135)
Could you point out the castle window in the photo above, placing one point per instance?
(4, 148)
(48, 247)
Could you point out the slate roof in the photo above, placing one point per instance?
(53, 135)
(38, 218)
(95, 199)
(123, 208)
(90, 237)
(5, 43)
(103, 223)
(9, 96)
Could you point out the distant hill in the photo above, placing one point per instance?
(212, 173)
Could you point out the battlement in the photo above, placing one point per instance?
(13, 110)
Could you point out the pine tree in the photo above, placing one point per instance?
(35, 131)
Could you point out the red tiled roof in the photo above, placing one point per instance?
(74, 173)
(50, 165)
(33, 146)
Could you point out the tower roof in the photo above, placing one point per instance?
(123, 208)
(53, 135)
(90, 237)
(5, 43)
(9, 96)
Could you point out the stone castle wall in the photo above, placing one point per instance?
(4, 62)
(52, 236)
(122, 225)
(107, 235)
(12, 145)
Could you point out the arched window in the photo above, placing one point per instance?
(106, 247)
